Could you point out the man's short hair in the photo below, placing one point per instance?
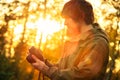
(79, 9)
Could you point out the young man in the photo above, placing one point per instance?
(85, 54)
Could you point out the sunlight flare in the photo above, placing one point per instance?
(47, 27)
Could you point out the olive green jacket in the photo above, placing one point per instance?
(89, 60)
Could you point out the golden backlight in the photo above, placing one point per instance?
(47, 27)
(41, 24)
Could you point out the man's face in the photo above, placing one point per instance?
(72, 26)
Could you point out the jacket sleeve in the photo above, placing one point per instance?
(92, 61)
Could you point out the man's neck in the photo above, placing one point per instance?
(85, 28)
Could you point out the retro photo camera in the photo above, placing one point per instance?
(36, 52)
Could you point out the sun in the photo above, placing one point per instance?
(47, 27)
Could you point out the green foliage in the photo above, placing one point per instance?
(5, 68)
(14, 68)
(11, 70)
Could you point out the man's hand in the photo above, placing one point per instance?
(39, 65)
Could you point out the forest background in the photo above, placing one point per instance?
(24, 23)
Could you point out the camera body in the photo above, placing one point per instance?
(36, 52)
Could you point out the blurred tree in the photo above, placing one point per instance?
(14, 14)
(10, 68)
(113, 31)
(6, 64)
